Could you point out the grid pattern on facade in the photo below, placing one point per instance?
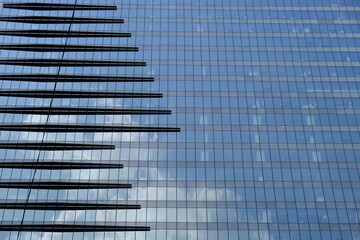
(20, 226)
(266, 93)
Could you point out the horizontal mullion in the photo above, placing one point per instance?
(77, 94)
(84, 128)
(58, 33)
(60, 185)
(80, 111)
(70, 228)
(66, 206)
(72, 78)
(46, 146)
(59, 165)
(59, 20)
(79, 128)
(69, 63)
(66, 48)
(55, 6)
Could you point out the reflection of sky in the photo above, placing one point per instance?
(119, 195)
(226, 133)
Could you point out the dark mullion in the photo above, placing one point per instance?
(59, 20)
(61, 185)
(72, 78)
(59, 165)
(66, 206)
(66, 48)
(69, 63)
(39, 33)
(69, 228)
(80, 111)
(77, 94)
(83, 128)
(56, 6)
(55, 146)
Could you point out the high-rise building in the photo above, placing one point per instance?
(265, 92)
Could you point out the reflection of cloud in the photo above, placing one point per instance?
(73, 119)
(200, 214)
(25, 236)
(161, 234)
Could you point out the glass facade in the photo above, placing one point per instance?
(266, 93)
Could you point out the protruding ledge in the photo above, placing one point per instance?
(72, 78)
(55, 146)
(77, 94)
(82, 128)
(65, 48)
(59, 20)
(69, 63)
(61, 185)
(80, 111)
(56, 7)
(59, 165)
(66, 206)
(39, 33)
(70, 228)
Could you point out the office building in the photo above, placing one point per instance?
(265, 93)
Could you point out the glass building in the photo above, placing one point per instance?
(265, 92)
